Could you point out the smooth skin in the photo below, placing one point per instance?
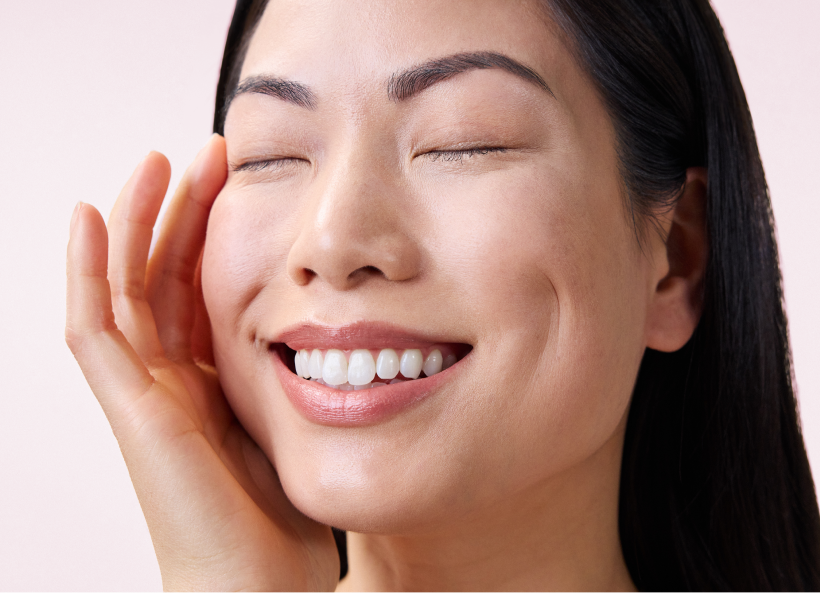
(507, 479)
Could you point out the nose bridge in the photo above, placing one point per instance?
(355, 226)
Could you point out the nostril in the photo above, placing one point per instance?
(366, 271)
(302, 276)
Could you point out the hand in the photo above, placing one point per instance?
(218, 517)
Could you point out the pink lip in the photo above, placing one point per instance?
(333, 407)
(356, 335)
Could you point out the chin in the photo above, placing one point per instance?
(382, 500)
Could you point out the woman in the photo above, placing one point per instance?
(492, 286)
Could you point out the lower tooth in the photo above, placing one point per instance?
(349, 387)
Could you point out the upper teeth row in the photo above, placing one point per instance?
(334, 368)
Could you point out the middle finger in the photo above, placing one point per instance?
(130, 229)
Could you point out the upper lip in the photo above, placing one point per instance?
(361, 334)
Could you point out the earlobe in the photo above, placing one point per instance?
(677, 301)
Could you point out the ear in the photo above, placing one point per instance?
(677, 301)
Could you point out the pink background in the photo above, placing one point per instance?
(89, 87)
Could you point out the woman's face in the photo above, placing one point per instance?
(473, 211)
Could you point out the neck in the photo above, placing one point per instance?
(559, 534)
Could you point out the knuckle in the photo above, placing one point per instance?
(77, 336)
(175, 263)
(73, 339)
(130, 288)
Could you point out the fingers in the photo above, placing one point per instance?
(172, 273)
(130, 225)
(111, 367)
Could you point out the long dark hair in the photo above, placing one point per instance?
(716, 490)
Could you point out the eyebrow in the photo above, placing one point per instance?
(287, 90)
(402, 85)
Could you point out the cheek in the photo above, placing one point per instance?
(555, 283)
(521, 240)
(246, 248)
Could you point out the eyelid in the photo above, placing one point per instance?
(447, 154)
(263, 163)
(458, 154)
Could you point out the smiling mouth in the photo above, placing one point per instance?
(363, 373)
(367, 368)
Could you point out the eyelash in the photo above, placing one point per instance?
(450, 156)
(458, 156)
(263, 164)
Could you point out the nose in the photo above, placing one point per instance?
(355, 228)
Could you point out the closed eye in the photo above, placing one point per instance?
(459, 155)
(272, 164)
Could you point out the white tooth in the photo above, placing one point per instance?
(360, 387)
(334, 367)
(432, 364)
(411, 363)
(304, 363)
(387, 364)
(395, 381)
(449, 361)
(298, 362)
(360, 368)
(345, 387)
(315, 364)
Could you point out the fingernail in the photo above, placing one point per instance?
(75, 215)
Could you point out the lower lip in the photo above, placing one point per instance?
(334, 407)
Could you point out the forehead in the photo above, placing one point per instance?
(349, 43)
